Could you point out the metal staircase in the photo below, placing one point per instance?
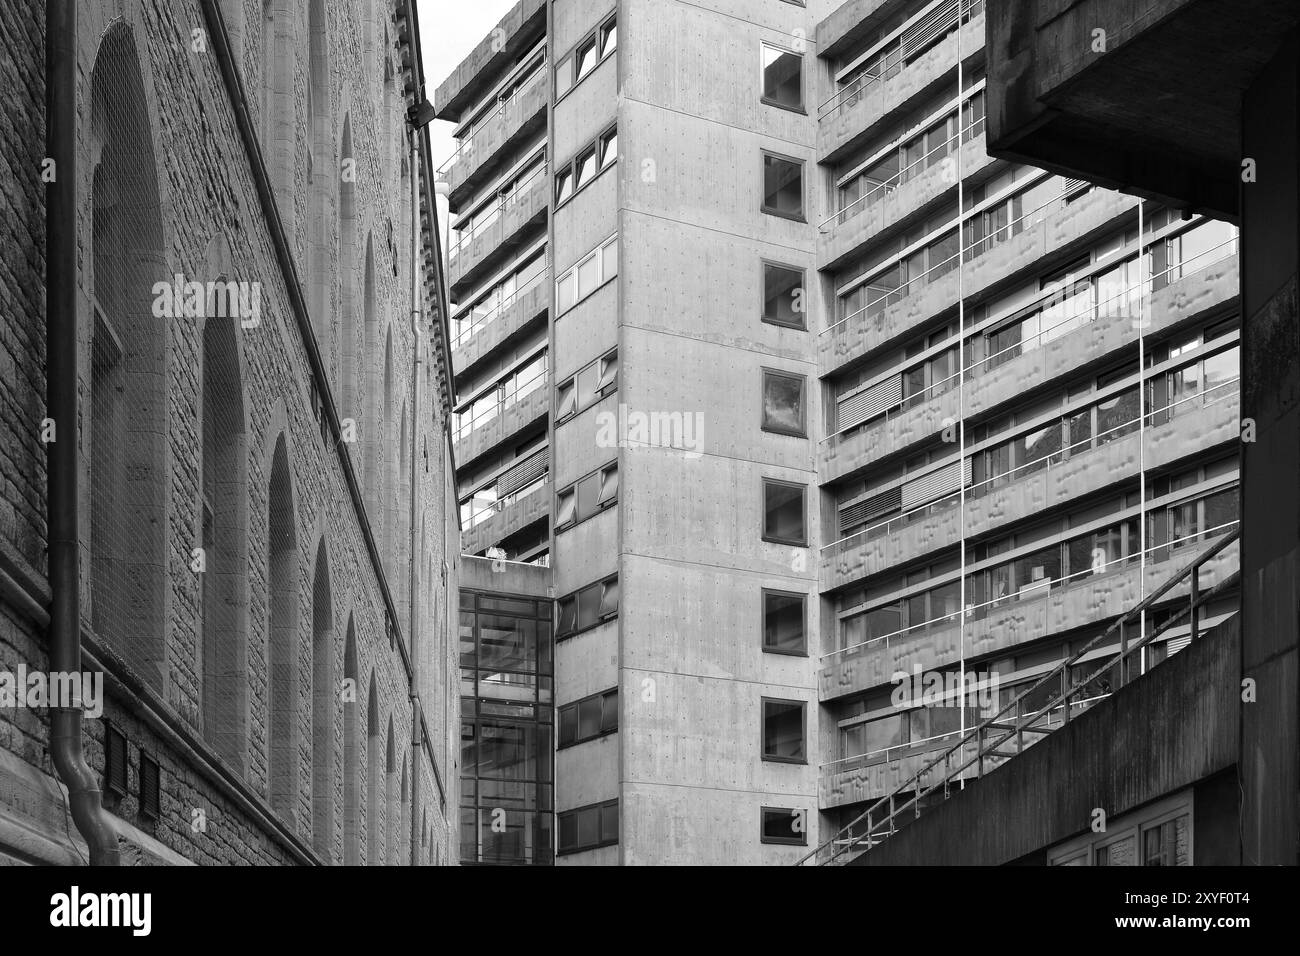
(1003, 736)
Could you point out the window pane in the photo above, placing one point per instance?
(609, 711)
(588, 385)
(783, 730)
(589, 606)
(588, 496)
(783, 509)
(564, 293)
(608, 371)
(782, 186)
(589, 826)
(566, 401)
(589, 718)
(588, 277)
(610, 256)
(586, 57)
(608, 39)
(609, 823)
(784, 826)
(783, 295)
(609, 149)
(563, 186)
(567, 505)
(783, 403)
(783, 77)
(563, 77)
(568, 616)
(609, 601)
(609, 485)
(783, 616)
(568, 837)
(586, 167)
(568, 725)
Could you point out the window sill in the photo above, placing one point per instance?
(800, 109)
(582, 79)
(785, 541)
(584, 630)
(788, 432)
(584, 849)
(803, 652)
(577, 302)
(792, 216)
(799, 761)
(574, 195)
(586, 740)
(785, 325)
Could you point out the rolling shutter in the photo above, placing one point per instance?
(868, 403)
(865, 510)
(928, 28)
(524, 473)
(936, 484)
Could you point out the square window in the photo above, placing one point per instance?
(586, 58)
(586, 168)
(608, 148)
(782, 78)
(782, 186)
(784, 825)
(783, 730)
(608, 38)
(783, 513)
(783, 403)
(783, 295)
(783, 622)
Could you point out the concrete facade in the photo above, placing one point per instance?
(252, 563)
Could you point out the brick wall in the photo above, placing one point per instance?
(216, 771)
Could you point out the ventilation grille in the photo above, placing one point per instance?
(150, 788)
(114, 760)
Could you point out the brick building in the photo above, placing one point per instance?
(266, 513)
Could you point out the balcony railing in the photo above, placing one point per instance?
(1211, 396)
(492, 212)
(508, 396)
(920, 33)
(467, 328)
(465, 150)
(983, 747)
(477, 512)
(1028, 592)
(1101, 308)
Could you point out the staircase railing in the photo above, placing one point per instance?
(980, 747)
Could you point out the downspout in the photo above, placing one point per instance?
(417, 330)
(62, 466)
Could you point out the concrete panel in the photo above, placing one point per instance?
(507, 424)
(517, 514)
(587, 551)
(498, 143)
(586, 220)
(586, 663)
(587, 110)
(529, 580)
(517, 315)
(586, 773)
(571, 20)
(576, 450)
(519, 221)
(587, 331)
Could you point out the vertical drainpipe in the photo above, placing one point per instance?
(61, 462)
(417, 329)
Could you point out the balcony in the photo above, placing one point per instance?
(506, 517)
(1036, 612)
(472, 254)
(528, 404)
(1052, 229)
(481, 156)
(1088, 335)
(480, 336)
(902, 197)
(517, 32)
(1202, 421)
(849, 118)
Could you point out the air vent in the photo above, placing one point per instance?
(150, 788)
(115, 752)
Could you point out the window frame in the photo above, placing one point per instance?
(600, 809)
(802, 431)
(603, 584)
(763, 838)
(604, 731)
(569, 62)
(764, 593)
(602, 505)
(569, 171)
(762, 730)
(571, 275)
(602, 391)
(802, 108)
(763, 155)
(803, 489)
(763, 265)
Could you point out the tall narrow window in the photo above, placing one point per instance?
(782, 186)
(783, 730)
(782, 77)
(585, 58)
(783, 295)
(351, 753)
(783, 403)
(282, 551)
(324, 694)
(783, 513)
(783, 622)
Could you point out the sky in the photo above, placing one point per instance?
(449, 30)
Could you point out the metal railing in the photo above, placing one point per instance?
(490, 214)
(466, 148)
(1043, 463)
(979, 748)
(938, 22)
(513, 393)
(467, 329)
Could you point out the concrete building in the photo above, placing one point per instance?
(834, 395)
(227, 467)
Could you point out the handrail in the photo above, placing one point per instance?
(517, 393)
(464, 332)
(915, 784)
(481, 514)
(466, 145)
(1045, 462)
(497, 207)
(1041, 583)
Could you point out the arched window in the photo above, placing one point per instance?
(324, 694)
(374, 829)
(321, 172)
(282, 575)
(127, 419)
(404, 821)
(351, 751)
(390, 798)
(400, 545)
(349, 348)
(382, 502)
(222, 519)
(278, 130)
(371, 415)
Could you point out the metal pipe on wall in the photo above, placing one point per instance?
(62, 465)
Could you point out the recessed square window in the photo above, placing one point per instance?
(782, 186)
(784, 825)
(783, 403)
(783, 622)
(782, 77)
(783, 513)
(783, 731)
(783, 295)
